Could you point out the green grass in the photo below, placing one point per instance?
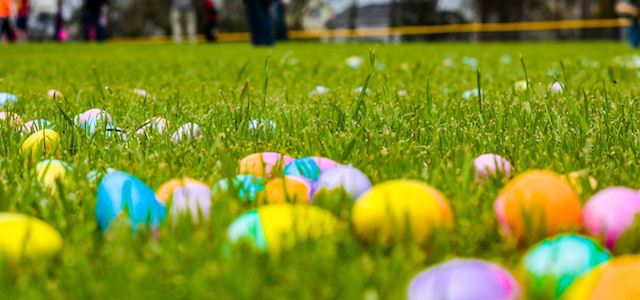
(431, 135)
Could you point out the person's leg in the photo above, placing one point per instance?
(252, 10)
(280, 20)
(7, 29)
(265, 25)
(191, 25)
(176, 29)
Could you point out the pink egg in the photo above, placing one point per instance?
(92, 114)
(610, 212)
(324, 163)
(487, 165)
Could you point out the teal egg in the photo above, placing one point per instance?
(554, 263)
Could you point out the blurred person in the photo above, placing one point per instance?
(629, 9)
(279, 13)
(260, 23)
(211, 20)
(6, 23)
(43, 17)
(61, 34)
(22, 21)
(96, 15)
(183, 10)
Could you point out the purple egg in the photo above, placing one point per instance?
(467, 279)
(324, 163)
(487, 165)
(352, 180)
(611, 212)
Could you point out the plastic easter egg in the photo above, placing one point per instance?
(520, 86)
(319, 91)
(35, 125)
(120, 194)
(553, 264)
(246, 187)
(112, 131)
(537, 204)
(43, 143)
(187, 132)
(12, 119)
(92, 120)
(7, 98)
(262, 124)
(352, 180)
(324, 163)
(54, 94)
(354, 61)
(487, 165)
(273, 228)
(616, 279)
(467, 279)
(24, 237)
(265, 164)
(156, 125)
(556, 87)
(303, 167)
(286, 189)
(50, 172)
(186, 196)
(400, 210)
(610, 212)
(141, 93)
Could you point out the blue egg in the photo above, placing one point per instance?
(120, 193)
(6, 98)
(303, 167)
(247, 186)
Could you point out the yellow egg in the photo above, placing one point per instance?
(22, 236)
(42, 143)
(285, 224)
(396, 210)
(50, 172)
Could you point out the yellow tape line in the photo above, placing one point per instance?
(416, 30)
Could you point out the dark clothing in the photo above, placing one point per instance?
(95, 6)
(23, 15)
(94, 30)
(6, 29)
(260, 22)
(279, 15)
(211, 20)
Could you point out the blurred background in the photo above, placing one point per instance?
(151, 18)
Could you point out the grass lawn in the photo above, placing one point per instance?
(431, 134)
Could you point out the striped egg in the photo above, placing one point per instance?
(186, 196)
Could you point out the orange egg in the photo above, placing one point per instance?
(286, 189)
(538, 204)
(617, 279)
(264, 164)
